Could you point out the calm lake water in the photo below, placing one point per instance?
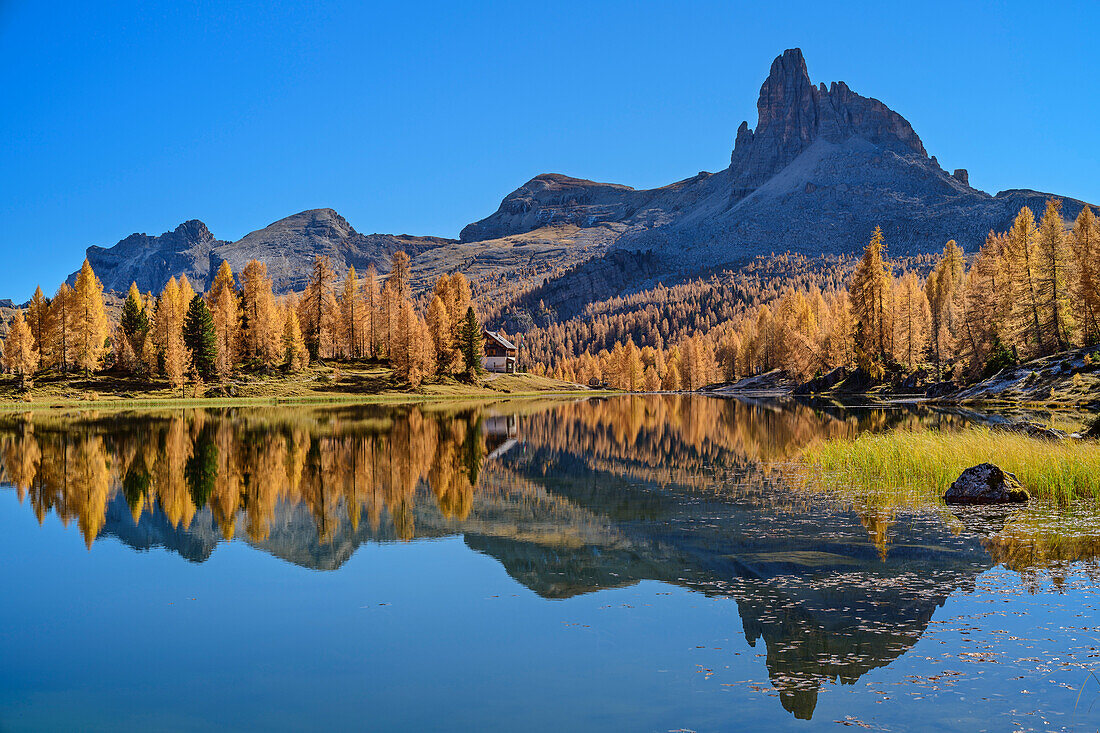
(624, 564)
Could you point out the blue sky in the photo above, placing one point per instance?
(418, 118)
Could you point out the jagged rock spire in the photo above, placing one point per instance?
(793, 114)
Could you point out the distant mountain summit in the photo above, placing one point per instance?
(823, 166)
(152, 260)
(288, 248)
(793, 114)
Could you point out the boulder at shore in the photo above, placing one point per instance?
(985, 484)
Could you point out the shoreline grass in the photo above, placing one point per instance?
(911, 464)
(319, 385)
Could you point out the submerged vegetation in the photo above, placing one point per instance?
(910, 464)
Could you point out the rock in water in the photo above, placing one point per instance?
(985, 484)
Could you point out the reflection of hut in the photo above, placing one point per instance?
(500, 425)
(500, 434)
(500, 353)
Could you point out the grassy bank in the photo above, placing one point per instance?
(911, 465)
(360, 383)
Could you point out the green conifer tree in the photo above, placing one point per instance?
(470, 342)
(200, 338)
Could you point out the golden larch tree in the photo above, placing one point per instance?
(912, 319)
(1053, 283)
(318, 312)
(262, 332)
(224, 304)
(1086, 276)
(1022, 261)
(438, 320)
(89, 320)
(297, 356)
(352, 317)
(40, 323)
(372, 307)
(20, 352)
(411, 353)
(869, 292)
(941, 290)
(167, 323)
(61, 319)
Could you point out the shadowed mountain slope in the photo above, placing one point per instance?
(823, 167)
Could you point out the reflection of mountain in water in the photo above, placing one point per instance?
(569, 498)
(808, 581)
(154, 530)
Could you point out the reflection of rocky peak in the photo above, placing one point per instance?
(195, 542)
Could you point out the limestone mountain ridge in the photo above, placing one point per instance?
(822, 167)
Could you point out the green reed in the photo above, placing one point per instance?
(926, 462)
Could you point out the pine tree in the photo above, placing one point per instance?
(1086, 276)
(200, 338)
(471, 342)
(20, 352)
(870, 296)
(133, 327)
(89, 320)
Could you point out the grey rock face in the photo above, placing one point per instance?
(985, 484)
(793, 114)
(823, 167)
(288, 248)
(150, 261)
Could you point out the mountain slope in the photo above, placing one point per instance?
(823, 167)
(150, 261)
(287, 247)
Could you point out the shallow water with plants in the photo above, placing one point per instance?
(658, 563)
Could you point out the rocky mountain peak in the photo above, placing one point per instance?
(193, 231)
(793, 114)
